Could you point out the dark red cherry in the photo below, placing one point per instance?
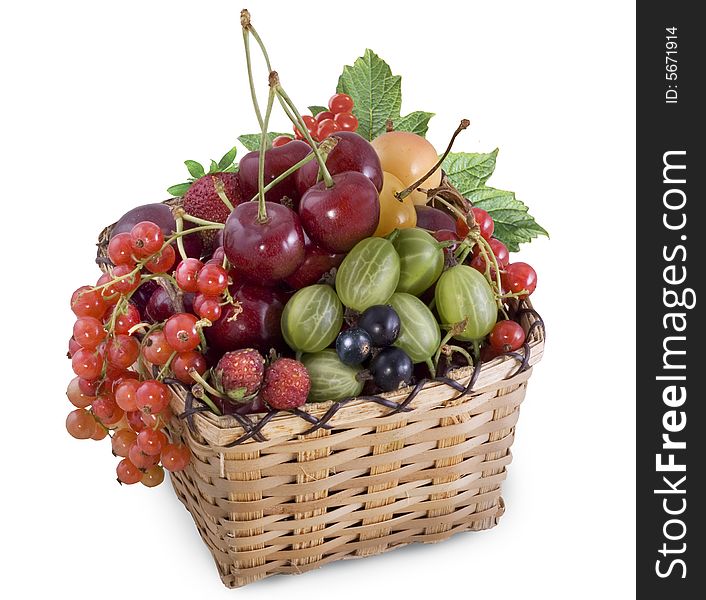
(142, 295)
(433, 219)
(161, 305)
(264, 252)
(257, 325)
(352, 153)
(337, 218)
(277, 161)
(316, 263)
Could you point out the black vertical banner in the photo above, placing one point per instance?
(671, 348)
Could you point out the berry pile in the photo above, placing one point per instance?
(306, 273)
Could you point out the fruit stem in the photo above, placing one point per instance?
(264, 139)
(487, 252)
(245, 24)
(407, 191)
(443, 343)
(432, 368)
(198, 220)
(199, 393)
(452, 208)
(461, 351)
(165, 368)
(180, 241)
(196, 376)
(221, 192)
(295, 117)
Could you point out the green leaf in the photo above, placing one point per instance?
(228, 158)
(416, 122)
(315, 110)
(251, 141)
(231, 169)
(377, 96)
(214, 167)
(179, 190)
(513, 224)
(196, 170)
(469, 171)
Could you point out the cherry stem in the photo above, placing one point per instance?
(326, 146)
(221, 193)
(264, 140)
(407, 191)
(197, 220)
(295, 117)
(180, 241)
(245, 24)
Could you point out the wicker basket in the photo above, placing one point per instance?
(288, 492)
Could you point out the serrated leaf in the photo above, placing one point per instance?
(376, 93)
(469, 171)
(251, 141)
(228, 158)
(315, 110)
(178, 190)
(214, 167)
(513, 223)
(415, 122)
(196, 169)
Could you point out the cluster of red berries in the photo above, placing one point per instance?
(338, 117)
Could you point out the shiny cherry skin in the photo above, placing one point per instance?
(264, 252)
(433, 219)
(316, 263)
(277, 161)
(257, 326)
(337, 218)
(351, 153)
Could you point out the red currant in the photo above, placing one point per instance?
(184, 362)
(122, 440)
(506, 336)
(89, 387)
(151, 441)
(127, 472)
(186, 273)
(155, 348)
(128, 316)
(126, 394)
(175, 458)
(89, 332)
(87, 302)
(324, 114)
(134, 420)
(108, 293)
(76, 396)
(125, 284)
(87, 364)
(141, 460)
(309, 122)
(212, 280)
(207, 307)
(162, 261)
(281, 140)
(346, 121)
(340, 103)
(122, 351)
(519, 277)
(181, 333)
(80, 424)
(147, 238)
(120, 250)
(100, 432)
(484, 221)
(152, 396)
(152, 476)
(107, 410)
(326, 128)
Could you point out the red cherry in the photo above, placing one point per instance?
(340, 103)
(264, 252)
(316, 263)
(337, 218)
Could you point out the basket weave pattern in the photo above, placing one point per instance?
(373, 480)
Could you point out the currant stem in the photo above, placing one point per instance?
(407, 191)
(291, 110)
(451, 207)
(245, 24)
(197, 220)
(165, 368)
(180, 241)
(264, 139)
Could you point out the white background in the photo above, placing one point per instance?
(102, 102)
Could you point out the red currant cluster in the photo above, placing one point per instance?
(338, 117)
(115, 357)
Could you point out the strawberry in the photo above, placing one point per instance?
(286, 384)
(239, 374)
(206, 195)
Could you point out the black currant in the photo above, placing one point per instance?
(391, 369)
(382, 323)
(353, 346)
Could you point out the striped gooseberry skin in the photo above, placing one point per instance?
(421, 260)
(463, 293)
(369, 274)
(420, 335)
(312, 318)
(330, 378)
